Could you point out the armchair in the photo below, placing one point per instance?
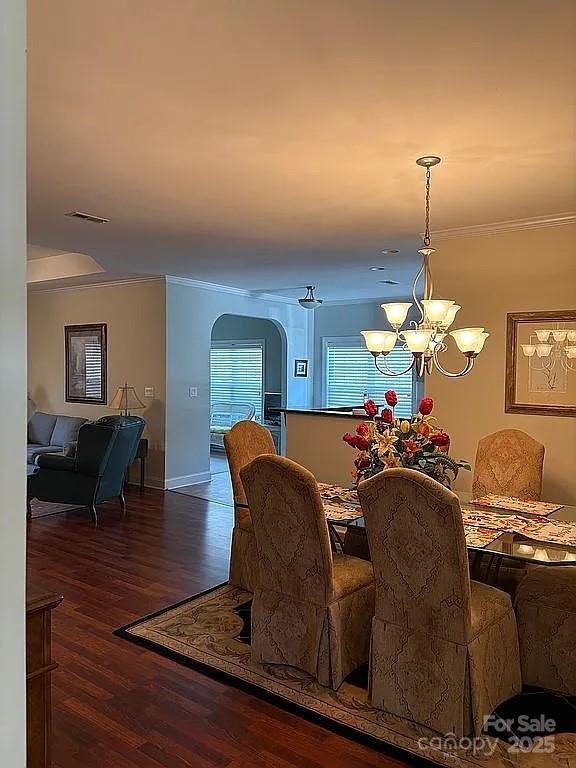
(105, 450)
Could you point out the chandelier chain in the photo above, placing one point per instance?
(427, 215)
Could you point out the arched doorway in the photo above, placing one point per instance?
(247, 378)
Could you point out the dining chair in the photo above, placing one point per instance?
(312, 609)
(546, 610)
(243, 443)
(509, 463)
(444, 649)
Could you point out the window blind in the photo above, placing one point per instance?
(93, 360)
(349, 374)
(236, 374)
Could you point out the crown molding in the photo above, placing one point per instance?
(90, 286)
(218, 288)
(501, 227)
(365, 300)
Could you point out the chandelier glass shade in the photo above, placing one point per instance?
(426, 339)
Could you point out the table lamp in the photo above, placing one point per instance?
(126, 400)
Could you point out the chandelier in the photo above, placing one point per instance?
(553, 350)
(427, 338)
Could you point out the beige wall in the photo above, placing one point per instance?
(315, 441)
(135, 315)
(490, 276)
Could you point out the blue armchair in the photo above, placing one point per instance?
(97, 472)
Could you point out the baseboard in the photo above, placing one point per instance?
(151, 482)
(183, 480)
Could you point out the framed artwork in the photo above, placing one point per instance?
(85, 354)
(541, 363)
(301, 368)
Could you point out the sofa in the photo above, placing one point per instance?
(48, 433)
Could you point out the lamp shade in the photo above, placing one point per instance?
(450, 315)
(417, 341)
(126, 400)
(435, 310)
(467, 339)
(396, 312)
(379, 341)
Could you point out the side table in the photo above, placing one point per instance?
(141, 455)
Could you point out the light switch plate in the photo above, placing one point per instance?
(148, 391)
(192, 391)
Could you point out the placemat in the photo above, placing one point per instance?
(479, 537)
(484, 519)
(517, 505)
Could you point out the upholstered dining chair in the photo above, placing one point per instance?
(243, 443)
(311, 609)
(509, 463)
(444, 649)
(546, 610)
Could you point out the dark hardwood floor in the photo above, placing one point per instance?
(119, 706)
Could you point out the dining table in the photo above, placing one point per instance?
(541, 534)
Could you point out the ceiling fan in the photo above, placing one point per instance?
(309, 301)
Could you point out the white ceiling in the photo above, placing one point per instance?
(267, 144)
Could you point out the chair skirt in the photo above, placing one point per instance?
(243, 559)
(546, 612)
(326, 642)
(446, 686)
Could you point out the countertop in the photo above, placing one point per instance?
(340, 414)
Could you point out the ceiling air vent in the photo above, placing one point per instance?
(87, 217)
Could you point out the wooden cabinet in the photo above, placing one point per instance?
(39, 665)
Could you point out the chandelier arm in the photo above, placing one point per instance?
(428, 282)
(467, 368)
(388, 372)
(414, 290)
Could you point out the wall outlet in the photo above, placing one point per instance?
(148, 391)
(192, 391)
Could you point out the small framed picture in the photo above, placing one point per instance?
(301, 368)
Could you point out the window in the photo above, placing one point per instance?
(93, 363)
(236, 374)
(349, 374)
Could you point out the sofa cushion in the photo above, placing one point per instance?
(66, 430)
(33, 450)
(40, 428)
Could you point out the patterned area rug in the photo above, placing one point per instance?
(46, 508)
(211, 632)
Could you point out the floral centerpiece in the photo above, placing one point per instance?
(416, 443)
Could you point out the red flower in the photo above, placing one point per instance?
(441, 440)
(387, 416)
(391, 398)
(361, 443)
(371, 408)
(410, 447)
(363, 429)
(350, 439)
(426, 405)
(356, 441)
